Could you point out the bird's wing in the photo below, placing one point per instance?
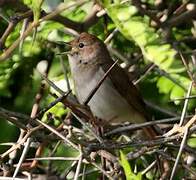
(126, 88)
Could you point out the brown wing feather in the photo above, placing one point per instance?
(126, 88)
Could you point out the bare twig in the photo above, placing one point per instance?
(185, 104)
(12, 23)
(10, 178)
(89, 128)
(24, 27)
(179, 128)
(58, 134)
(160, 109)
(66, 172)
(83, 172)
(183, 98)
(18, 119)
(187, 68)
(22, 141)
(102, 170)
(91, 94)
(148, 143)
(57, 100)
(179, 153)
(52, 84)
(177, 20)
(143, 11)
(164, 73)
(149, 167)
(111, 35)
(140, 152)
(54, 159)
(120, 56)
(22, 157)
(152, 66)
(78, 167)
(141, 125)
(58, 10)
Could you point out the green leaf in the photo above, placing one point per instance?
(136, 28)
(192, 142)
(127, 168)
(177, 92)
(35, 5)
(165, 85)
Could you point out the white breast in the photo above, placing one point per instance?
(106, 103)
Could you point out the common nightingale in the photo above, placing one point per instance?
(117, 100)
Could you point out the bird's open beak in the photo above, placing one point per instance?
(64, 53)
(67, 46)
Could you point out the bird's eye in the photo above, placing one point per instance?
(81, 45)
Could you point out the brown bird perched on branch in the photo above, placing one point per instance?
(116, 100)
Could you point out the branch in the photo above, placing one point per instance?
(18, 119)
(8, 52)
(175, 21)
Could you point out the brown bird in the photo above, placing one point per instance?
(117, 100)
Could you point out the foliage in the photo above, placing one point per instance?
(137, 29)
(148, 34)
(128, 172)
(35, 5)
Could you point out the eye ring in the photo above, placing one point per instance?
(81, 45)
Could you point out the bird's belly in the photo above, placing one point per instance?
(107, 103)
(110, 106)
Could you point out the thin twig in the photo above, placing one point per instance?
(54, 159)
(140, 152)
(52, 84)
(177, 20)
(143, 11)
(185, 104)
(111, 35)
(67, 171)
(83, 172)
(160, 109)
(89, 128)
(88, 172)
(183, 98)
(58, 134)
(102, 170)
(168, 76)
(24, 27)
(187, 68)
(18, 119)
(78, 167)
(120, 56)
(91, 94)
(149, 167)
(148, 143)
(22, 141)
(179, 153)
(57, 100)
(141, 125)
(12, 24)
(152, 66)
(10, 178)
(57, 11)
(22, 157)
